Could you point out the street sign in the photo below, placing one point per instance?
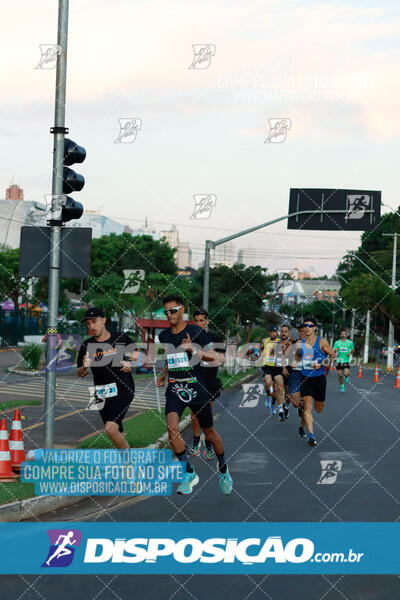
(75, 246)
(330, 209)
(133, 277)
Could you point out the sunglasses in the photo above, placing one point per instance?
(308, 325)
(171, 311)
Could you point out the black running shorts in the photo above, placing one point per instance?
(341, 366)
(271, 370)
(202, 410)
(115, 409)
(314, 387)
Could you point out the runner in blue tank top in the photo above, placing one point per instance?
(313, 351)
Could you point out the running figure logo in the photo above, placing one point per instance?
(329, 471)
(49, 53)
(356, 206)
(62, 547)
(251, 394)
(203, 54)
(128, 129)
(203, 205)
(278, 129)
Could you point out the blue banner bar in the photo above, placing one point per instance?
(210, 548)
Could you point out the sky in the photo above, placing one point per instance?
(331, 68)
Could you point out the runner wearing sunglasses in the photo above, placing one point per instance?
(186, 346)
(313, 351)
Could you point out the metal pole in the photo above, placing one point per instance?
(206, 286)
(55, 230)
(366, 343)
(157, 390)
(352, 324)
(389, 363)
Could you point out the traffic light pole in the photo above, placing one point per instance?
(55, 229)
(389, 364)
(210, 245)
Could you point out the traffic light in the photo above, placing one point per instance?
(72, 181)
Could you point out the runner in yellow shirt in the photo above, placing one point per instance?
(272, 373)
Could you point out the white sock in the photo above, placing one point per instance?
(271, 389)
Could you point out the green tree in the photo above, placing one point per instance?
(11, 284)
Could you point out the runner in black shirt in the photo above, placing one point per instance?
(211, 380)
(112, 375)
(186, 345)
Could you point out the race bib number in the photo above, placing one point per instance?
(308, 364)
(106, 391)
(179, 360)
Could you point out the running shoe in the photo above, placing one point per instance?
(311, 441)
(188, 482)
(196, 448)
(286, 411)
(300, 411)
(346, 380)
(342, 388)
(209, 453)
(302, 433)
(281, 417)
(268, 402)
(225, 482)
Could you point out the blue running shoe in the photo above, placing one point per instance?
(268, 402)
(311, 441)
(346, 380)
(188, 482)
(225, 482)
(342, 388)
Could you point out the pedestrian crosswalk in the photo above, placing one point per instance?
(75, 391)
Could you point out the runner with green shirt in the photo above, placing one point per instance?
(344, 348)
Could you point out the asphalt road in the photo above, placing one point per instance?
(275, 479)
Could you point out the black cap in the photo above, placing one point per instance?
(273, 328)
(92, 313)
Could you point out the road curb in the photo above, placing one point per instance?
(40, 505)
(35, 373)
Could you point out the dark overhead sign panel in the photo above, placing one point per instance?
(74, 252)
(345, 210)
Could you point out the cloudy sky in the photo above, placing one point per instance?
(331, 67)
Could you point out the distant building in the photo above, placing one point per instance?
(146, 229)
(172, 236)
(248, 257)
(183, 255)
(224, 255)
(14, 192)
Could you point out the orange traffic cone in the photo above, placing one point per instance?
(6, 473)
(376, 375)
(397, 384)
(359, 376)
(16, 443)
